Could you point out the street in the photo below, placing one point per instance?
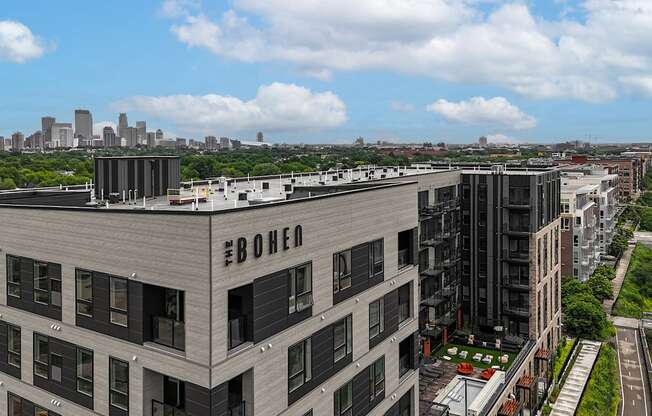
(634, 400)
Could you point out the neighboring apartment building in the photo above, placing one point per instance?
(270, 296)
(629, 169)
(579, 228)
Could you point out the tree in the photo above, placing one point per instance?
(606, 271)
(7, 183)
(263, 169)
(601, 287)
(585, 318)
(572, 288)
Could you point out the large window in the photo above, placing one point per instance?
(13, 276)
(343, 338)
(119, 300)
(84, 293)
(344, 400)
(404, 303)
(85, 371)
(15, 405)
(119, 383)
(376, 318)
(377, 378)
(299, 364)
(41, 289)
(13, 346)
(41, 356)
(56, 367)
(300, 288)
(376, 258)
(341, 270)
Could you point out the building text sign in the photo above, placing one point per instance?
(271, 242)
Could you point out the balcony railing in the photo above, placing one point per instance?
(404, 258)
(169, 332)
(516, 310)
(237, 331)
(237, 410)
(162, 409)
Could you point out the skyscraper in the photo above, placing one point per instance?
(46, 128)
(151, 139)
(2, 144)
(17, 141)
(109, 138)
(83, 124)
(159, 135)
(141, 132)
(62, 135)
(259, 137)
(131, 134)
(211, 142)
(122, 124)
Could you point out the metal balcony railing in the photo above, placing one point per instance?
(162, 409)
(169, 332)
(237, 409)
(404, 258)
(237, 331)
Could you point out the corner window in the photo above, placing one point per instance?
(119, 383)
(41, 356)
(13, 346)
(377, 378)
(376, 258)
(404, 303)
(342, 338)
(85, 371)
(341, 270)
(376, 318)
(13, 276)
(300, 288)
(119, 301)
(344, 400)
(299, 364)
(84, 293)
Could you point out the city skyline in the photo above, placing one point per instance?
(541, 72)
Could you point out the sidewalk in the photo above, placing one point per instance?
(571, 391)
(621, 270)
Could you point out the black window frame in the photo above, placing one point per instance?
(12, 274)
(305, 374)
(78, 351)
(376, 380)
(17, 398)
(112, 389)
(38, 363)
(78, 300)
(337, 400)
(11, 353)
(342, 281)
(347, 346)
(404, 288)
(52, 365)
(374, 260)
(381, 318)
(294, 297)
(115, 311)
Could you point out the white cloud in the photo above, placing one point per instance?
(455, 41)
(501, 139)
(639, 84)
(178, 8)
(17, 43)
(277, 107)
(495, 112)
(401, 107)
(99, 126)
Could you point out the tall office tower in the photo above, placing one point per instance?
(109, 138)
(46, 128)
(131, 136)
(2, 144)
(62, 135)
(259, 137)
(211, 142)
(151, 139)
(482, 141)
(141, 131)
(83, 124)
(122, 124)
(35, 140)
(159, 135)
(17, 141)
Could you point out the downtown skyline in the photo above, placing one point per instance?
(537, 72)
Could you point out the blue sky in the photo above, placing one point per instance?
(331, 71)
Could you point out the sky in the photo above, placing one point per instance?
(315, 71)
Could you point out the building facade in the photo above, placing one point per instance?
(580, 215)
(83, 124)
(17, 142)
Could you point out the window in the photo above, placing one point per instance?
(405, 404)
(15, 405)
(13, 346)
(344, 400)
(342, 338)
(56, 365)
(376, 257)
(41, 289)
(377, 378)
(299, 364)
(300, 284)
(119, 383)
(41, 356)
(403, 303)
(13, 276)
(308, 413)
(119, 300)
(85, 371)
(39, 411)
(341, 270)
(376, 318)
(84, 293)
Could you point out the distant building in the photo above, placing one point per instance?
(225, 143)
(35, 141)
(159, 136)
(211, 142)
(83, 124)
(2, 144)
(122, 124)
(17, 141)
(181, 143)
(482, 141)
(109, 138)
(359, 141)
(151, 139)
(46, 128)
(131, 136)
(62, 135)
(259, 137)
(141, 131)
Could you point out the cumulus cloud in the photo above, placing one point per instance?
(17, 43)
(401, 107)
(456, 41)
(178, 8)
(277, 107)
(495, 112)
(501, 139)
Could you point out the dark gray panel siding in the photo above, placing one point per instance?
(360, 280)
(26, 301)
(220, 400)
(4, 363)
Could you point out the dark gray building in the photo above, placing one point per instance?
(136, 177)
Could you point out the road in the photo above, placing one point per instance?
(634, 400)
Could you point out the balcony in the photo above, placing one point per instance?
(517, 256)
(162, 409)
(240, 313)
(518, 310)
(169, 332)
(237, 331)
(238, 409)
(404, 259)
(514, 282)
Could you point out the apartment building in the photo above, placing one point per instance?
(579, 228)
(252, 299)
(630, 170)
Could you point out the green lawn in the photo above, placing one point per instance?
(636, 293)
(564, 352)
(472, 351)
(602, 394)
